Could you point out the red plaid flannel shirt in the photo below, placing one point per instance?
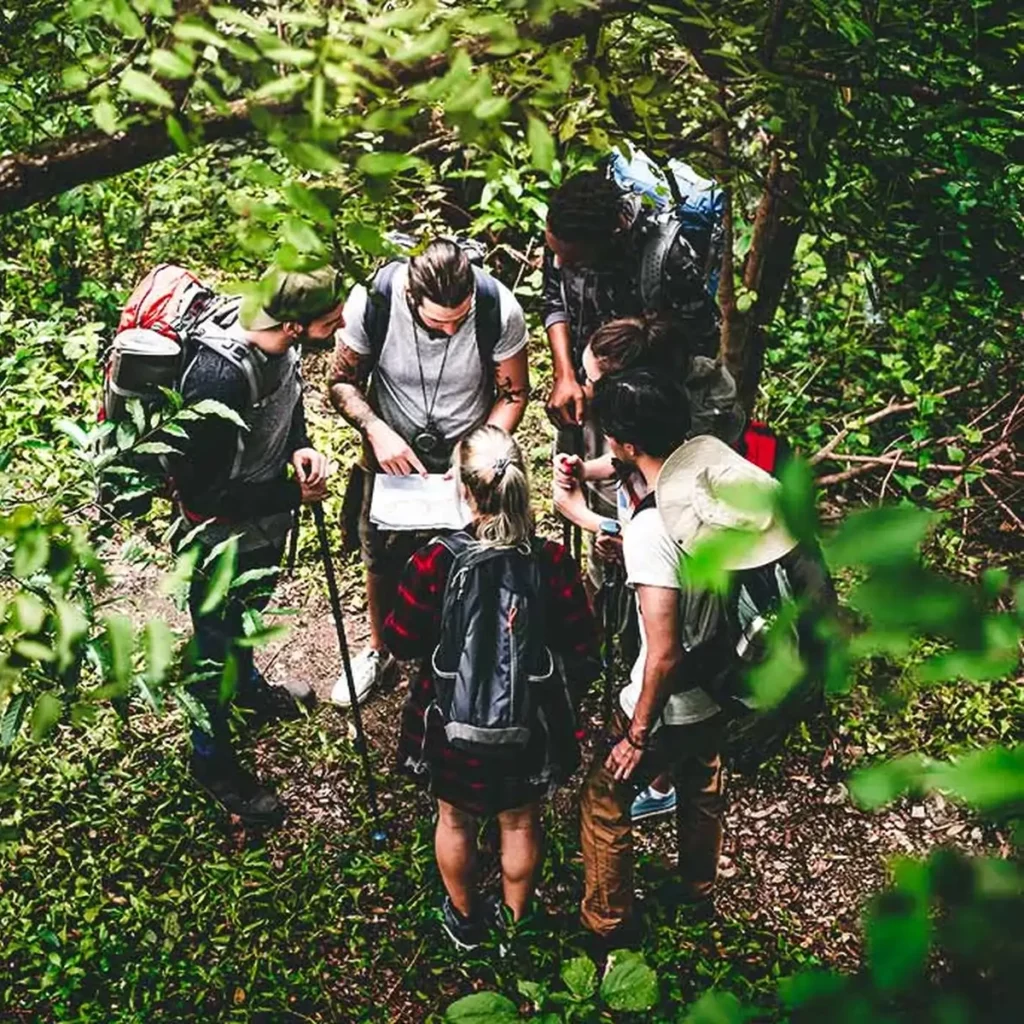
(414, 626)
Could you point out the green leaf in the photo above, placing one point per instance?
(307, 202)
(283, 88)
(797, 501)
(290, 55)
(879, 537)
(13, 716)
(220, 579)
(141, 87)
(716, 1008)
(880, 784)
(771, 681)
(121, 638)
(229, 679)
(73, 430)
(580, 977)
(156, 448)
(29, 611)
(45, 715)
(31, 551)
(35, 650)
(542, 145)
(898, 931)
(629, 984)
(482, 1008)
(298, 233)
(421, 47)
(158, 643)
(104, 114)
(72, 625)
(211, 407)
(120, 14)
(382, 165)
(170, 64)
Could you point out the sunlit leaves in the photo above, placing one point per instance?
(542, 145)
(139, 86)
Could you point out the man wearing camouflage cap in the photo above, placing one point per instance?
(235, 482)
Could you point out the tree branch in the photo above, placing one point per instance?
(48, 170)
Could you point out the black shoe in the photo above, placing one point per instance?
(466, 933)
(275, 703)
(237, 791)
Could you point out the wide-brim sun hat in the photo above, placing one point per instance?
(705, 487)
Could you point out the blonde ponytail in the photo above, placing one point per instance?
(490, 466)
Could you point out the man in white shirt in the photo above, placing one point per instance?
(665, 721)
(446, 346)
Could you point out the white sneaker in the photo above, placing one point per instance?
(368, 671)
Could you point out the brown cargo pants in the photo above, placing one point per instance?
(691, 753)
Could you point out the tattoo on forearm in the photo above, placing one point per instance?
(347, 383)
(505, 390)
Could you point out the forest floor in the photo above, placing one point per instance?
(798, 862)
(172, 911)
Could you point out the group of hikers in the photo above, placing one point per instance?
(430, 366)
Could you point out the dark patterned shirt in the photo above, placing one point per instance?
(586, 298)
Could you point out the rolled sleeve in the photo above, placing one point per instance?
(353, 334)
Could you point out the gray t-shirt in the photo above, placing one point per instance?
(463, 389)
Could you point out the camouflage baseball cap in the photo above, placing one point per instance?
(294, 297)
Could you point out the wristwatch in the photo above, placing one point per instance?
(610, 527)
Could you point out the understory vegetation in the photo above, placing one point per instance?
(871, 306)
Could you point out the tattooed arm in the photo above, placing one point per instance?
(347, 385)
(511, 391)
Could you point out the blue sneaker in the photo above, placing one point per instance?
(649, 803)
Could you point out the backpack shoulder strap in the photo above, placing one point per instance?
(652, 260)
(488, 315)
(650, 500)
(377, 315)
(456, 543)
(246, 358)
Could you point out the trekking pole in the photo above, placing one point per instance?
(379, 835)
(293, 542)
(607, 647)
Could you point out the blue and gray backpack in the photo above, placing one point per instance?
(693, 208)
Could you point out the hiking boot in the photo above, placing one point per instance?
(466, 933)
(236, 790)
(281, 703)
(369, 670)
(649, 803)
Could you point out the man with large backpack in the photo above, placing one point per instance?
(670, 715)
(443, 347)
(230, 481)
(623, 241)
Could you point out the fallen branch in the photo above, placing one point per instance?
(892, 409)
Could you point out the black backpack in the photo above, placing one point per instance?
(748, 610)
(378, 311)
(491, 651)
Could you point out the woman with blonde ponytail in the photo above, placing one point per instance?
(495, 484)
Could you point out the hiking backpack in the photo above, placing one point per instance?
(491, 650)
(695, 209)
(747, 612)
(167, 316)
